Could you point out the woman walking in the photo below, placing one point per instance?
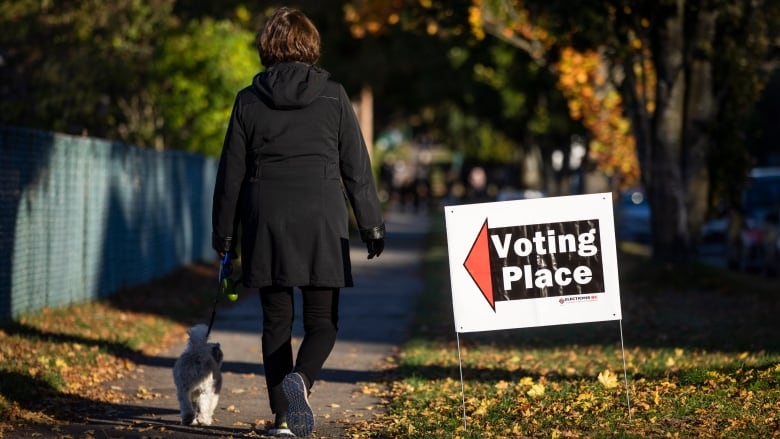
(293, 149)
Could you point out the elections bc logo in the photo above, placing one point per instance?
(538, 260)
(577, 299)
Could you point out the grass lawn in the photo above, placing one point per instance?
(702, 355)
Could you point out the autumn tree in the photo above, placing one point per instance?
(476, 95)
(663, 58)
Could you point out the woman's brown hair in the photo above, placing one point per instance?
(288, 36)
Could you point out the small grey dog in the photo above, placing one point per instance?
(198, 377)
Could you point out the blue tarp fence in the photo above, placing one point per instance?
(81, 218)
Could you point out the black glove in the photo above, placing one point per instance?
(223, 245)
(375, 247)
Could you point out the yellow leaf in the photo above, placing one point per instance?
(537, 390)
(608, 379)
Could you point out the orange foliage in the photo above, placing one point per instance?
(582, 78)
(372, 17)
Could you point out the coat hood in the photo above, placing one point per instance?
(291, 84)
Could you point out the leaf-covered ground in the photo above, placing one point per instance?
(702, 356)
(52, 362)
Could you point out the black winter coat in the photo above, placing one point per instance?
(293, 149)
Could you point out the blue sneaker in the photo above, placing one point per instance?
(300, 417)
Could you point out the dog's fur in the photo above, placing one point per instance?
(198, 378)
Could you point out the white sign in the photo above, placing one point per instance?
(536, 262)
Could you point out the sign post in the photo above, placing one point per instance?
(536, 262)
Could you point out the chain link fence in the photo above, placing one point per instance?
(81, 218)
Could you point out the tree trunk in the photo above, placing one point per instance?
(364, 109)
(699, 117)
(668, 190)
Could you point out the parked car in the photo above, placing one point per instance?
(632, 217)
(753, 237)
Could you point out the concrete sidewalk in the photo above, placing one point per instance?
(374, 318)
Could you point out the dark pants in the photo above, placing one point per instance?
(320, 323)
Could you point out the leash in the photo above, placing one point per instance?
(225, 269)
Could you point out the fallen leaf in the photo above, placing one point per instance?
(536, 391)
(608, 379)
